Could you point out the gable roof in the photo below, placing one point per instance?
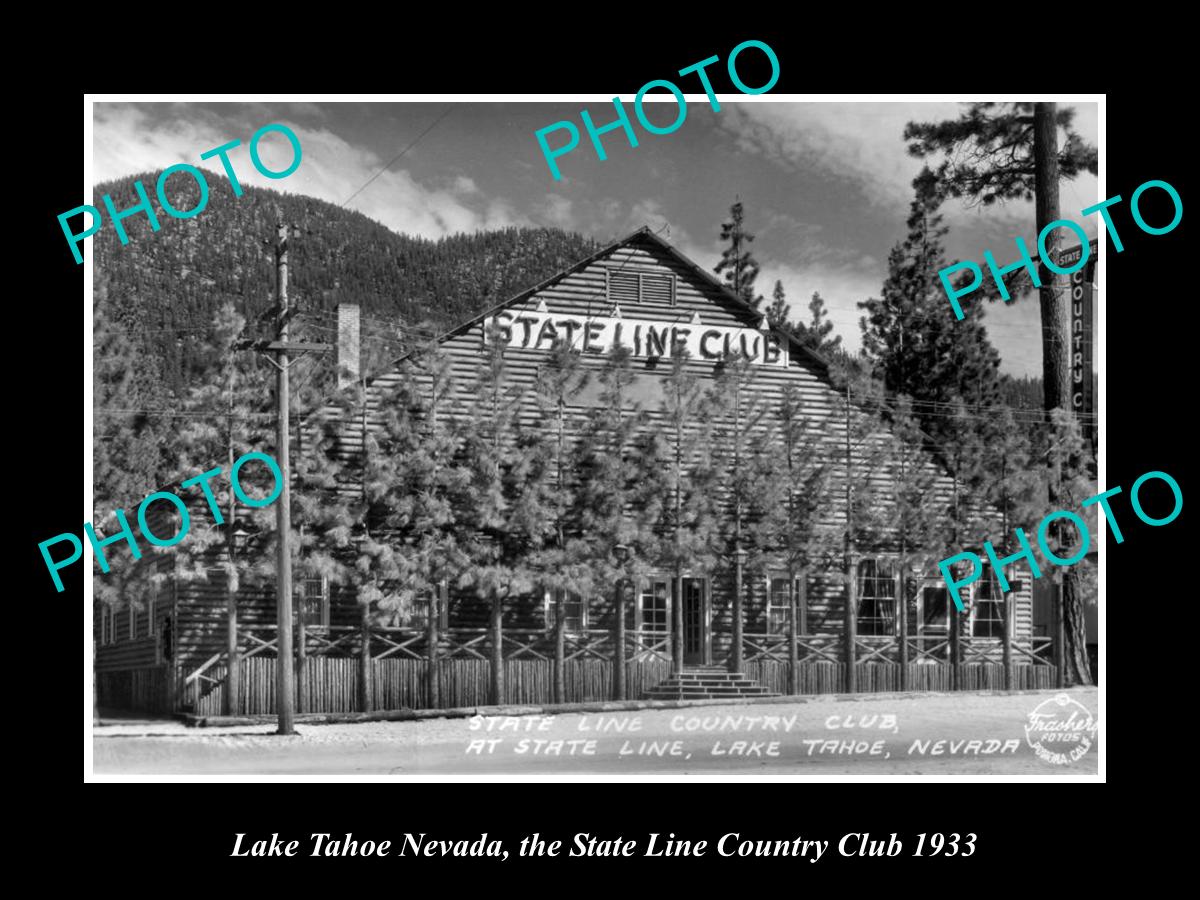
(645, 234)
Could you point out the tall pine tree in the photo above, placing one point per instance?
(737, 263)
(683, 447)
(817, 334)
(505, 518)
(916, 348)
(1001, 151)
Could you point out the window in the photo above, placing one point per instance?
(574, 610)
(876, 597)
(989, 606)
(629, 286)
(102, 611)
(132, 620)
(654, 605)
(151, 603)
(423, 605)
(778, 605)
(314, 602)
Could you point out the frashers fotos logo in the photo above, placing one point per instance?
(1060, 730)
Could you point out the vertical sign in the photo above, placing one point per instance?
(1083, 286)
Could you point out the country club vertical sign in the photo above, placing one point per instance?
(1083, 287)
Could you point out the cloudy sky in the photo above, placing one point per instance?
(826, 186)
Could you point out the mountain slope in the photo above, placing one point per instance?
(164, 287)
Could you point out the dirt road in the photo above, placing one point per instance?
(877, 735)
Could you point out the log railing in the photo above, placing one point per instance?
(1040, 651)
(646, 645)
(876, 648)
(591, 644)
(398, 642)
(343, 639)
(925, 648)
(465, 643)
(774, 647)
(929, 648)
(524, 643)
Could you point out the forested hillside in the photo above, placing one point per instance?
(164, 288)
(164, 303)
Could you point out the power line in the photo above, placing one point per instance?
(400, 154)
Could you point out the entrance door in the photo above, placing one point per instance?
(695, 621)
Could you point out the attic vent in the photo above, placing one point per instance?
(623, 287)
(641, 287)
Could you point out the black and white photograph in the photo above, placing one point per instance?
(710, 433)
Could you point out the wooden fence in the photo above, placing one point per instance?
(400, 668)
(333, 684)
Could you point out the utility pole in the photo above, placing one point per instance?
(277, 354)
(285, 697)
(851, 610)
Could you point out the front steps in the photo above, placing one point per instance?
(707, 683)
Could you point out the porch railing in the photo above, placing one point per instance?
(925, 648)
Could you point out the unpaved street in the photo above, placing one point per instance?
(980, 734)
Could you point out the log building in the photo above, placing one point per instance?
(195, 646)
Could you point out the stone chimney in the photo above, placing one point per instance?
(348, 344)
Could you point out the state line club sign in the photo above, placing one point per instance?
(540, 329)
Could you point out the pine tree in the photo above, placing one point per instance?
(995, 152)
(913, 510)
(779, 311)
(1064, 481)
(737, 419)
(620, 483)
(225, 415)
(918, 350)
(788, 519)
(560, 380)
(816, 333)
(505, 518)
(737, 263)
(683, 447)
(409, 543)
(128, 434)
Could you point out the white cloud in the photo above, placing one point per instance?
(608, 218)
(127, 141)
(861, 144)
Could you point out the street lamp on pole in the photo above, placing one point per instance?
(621, 553)
(739, 564)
